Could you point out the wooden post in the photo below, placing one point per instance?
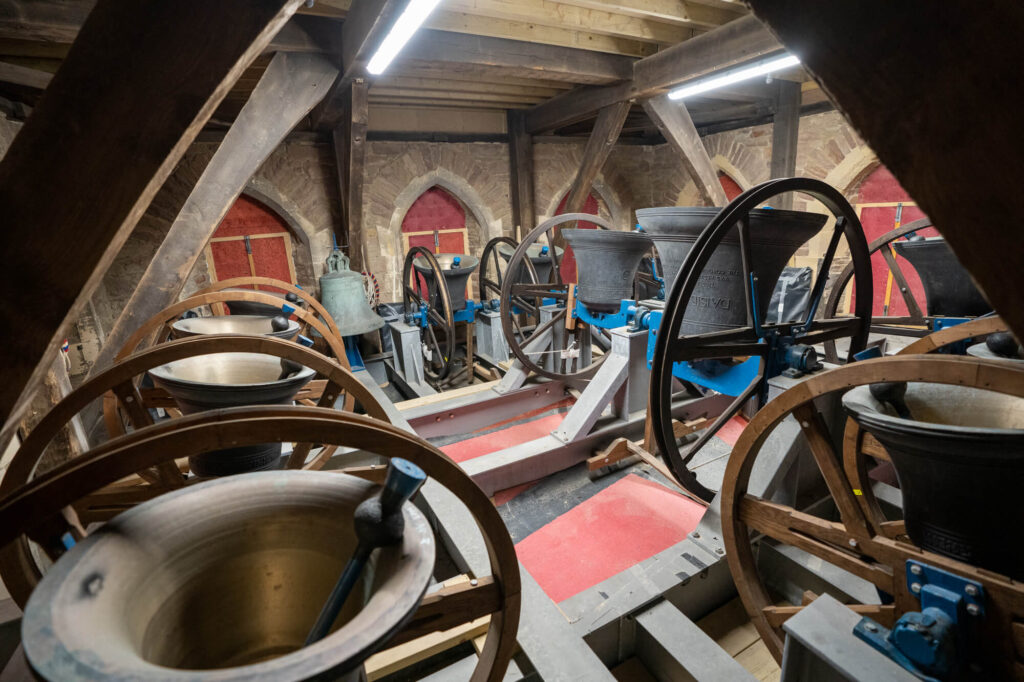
(970, 146)
(674, 122)
(599, 146)
(350, 157)
(785, 128)
(139, 83)
(520, 155)
(289, 88)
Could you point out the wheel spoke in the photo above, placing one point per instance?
(690, 352)
(451, 606)
(826, 540)
(830, 330)
(885, 614)
(901, 281)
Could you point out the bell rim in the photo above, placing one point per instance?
(871, 419)
(603, 236)
(712, 211)
(38, 620)
(292, 330)
(304, 374)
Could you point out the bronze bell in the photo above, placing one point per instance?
(344, 297)
(948, 290)
(606, 264)
(959, 457)
(540, 257)
(262, 309)
(210, 382)
(223, 580)
(718, 302)
(249, 325)
(457, 268)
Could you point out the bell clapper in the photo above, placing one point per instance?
(379, 523)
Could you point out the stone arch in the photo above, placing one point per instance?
(729, 168)
(619, 216)
(854, 167)
(458, 187)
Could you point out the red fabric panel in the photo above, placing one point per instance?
(435, 209)
(882, 187)
(452, 242)
(568, 264)
(230, 259)
(629, 521)
(424, 240)
(270, 257)
(732, 190)
(248, 216)
(731, 430)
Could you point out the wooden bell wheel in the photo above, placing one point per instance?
(255, 282)
(439, 333)
(756, 339)
(17, 565)
(855, 543)
(157, 329)
(915, 323)
(493, 269)
(563, 341)
(34, 507)
(863, 445)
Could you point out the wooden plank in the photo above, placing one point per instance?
(23, 75)
(937, 156)
(291, 85)
(350, 155)
(516, 58)
(678, 12)
(599, 146)
(454, 95)
(785, 129)
(118, 142)
(675, 124)
(447, 85)
(520, 154)
(735, 43)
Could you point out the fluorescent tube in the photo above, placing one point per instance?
(412, 18)
(706, 84)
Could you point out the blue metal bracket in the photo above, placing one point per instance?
(305, 340)
(288, 309)
(932, 643)
(468, 314)
(627, 314)
(355, 358)
(419, 317)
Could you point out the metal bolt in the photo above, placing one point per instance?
(805, 425)
(129, 399)
(473, 582)
(696, 534)
(915, 588)
(915, 569)
(971, 590)
(973, 609)
(853, 543)
(871, 627)
(720, 551)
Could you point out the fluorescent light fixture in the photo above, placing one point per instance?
(416, 12)
(734, 77)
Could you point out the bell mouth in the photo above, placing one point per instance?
(687, 222)
(466, 264)
(611, 238)
(230, 370)
(232, 593)
(249, 325)
(533, 252)
(940, 411)
(981, 350)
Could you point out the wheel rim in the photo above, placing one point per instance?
(439, 366)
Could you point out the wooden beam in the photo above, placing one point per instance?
(350, 157)
(364, 29)
(969, 146)
(446, 85)
(290, 87)
(735, 43)
(515, 58)
(677, 12)
(140, 81)
(785, 129)
(599, 146)
(520, 155)
(25, 76)
(673, 120)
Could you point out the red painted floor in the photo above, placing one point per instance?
(499, 440)
(631, 520)
(731, 430)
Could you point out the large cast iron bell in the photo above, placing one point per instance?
(210, 382)
(457, 268)
(539, 255)
(249, 325)
(257, 308)
(223, 580)
(959, 456)
(718, 301)
(342, 293)
(606, 264)
(948, 289)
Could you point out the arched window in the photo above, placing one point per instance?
(251, 240)
(436, 221)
